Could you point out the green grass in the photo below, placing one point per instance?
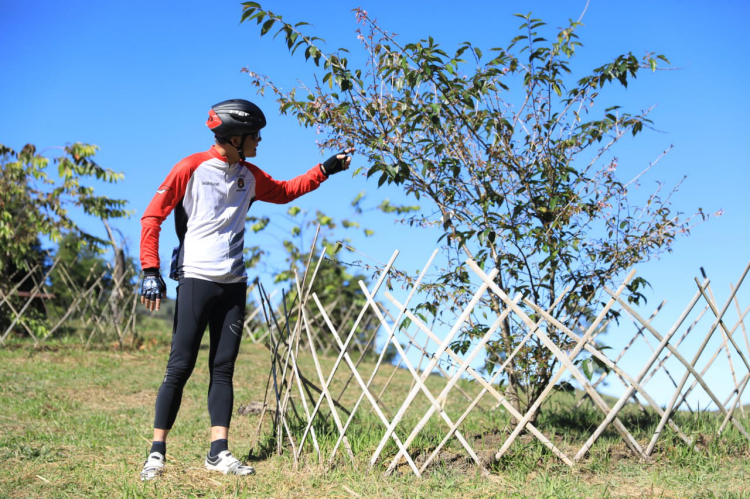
(77, 423)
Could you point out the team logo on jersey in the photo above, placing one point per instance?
(241, 183)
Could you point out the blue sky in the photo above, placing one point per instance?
(137, 78)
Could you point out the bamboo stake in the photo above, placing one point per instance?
(44, 303)
(361, 382)
(724, 338)
(250, 317)
(290, 384)
(18, 285)
(387, 383)
(638, 333)
(744, 334)
(32, 295)
(421, 358)
(379, 282)
(666, 371)
(566, 364)
(393, 373)
(683, 397)
(631, 384)
(690, 370)
(634, 384)
(690, 367)
(740, 390)
(452, 381)
(733, 393)
(676, 346)
(120, 332)
(274, 359)
(380, 360)
(133, 314)
(361, 357)
(427, 354)
(295, 340)
(436, 406)
(298, 377)
(737, 304)
(18, 319)
(723, 327)
(89, 300)
(381, 356)
(282, 405)
(325, 393)
(271, 374)
(446, 342)
(487, 386)
(72, 308)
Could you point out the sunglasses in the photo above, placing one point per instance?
(254, 135)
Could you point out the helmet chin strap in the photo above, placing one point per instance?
(241, 148)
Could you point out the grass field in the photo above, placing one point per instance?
(77, 423)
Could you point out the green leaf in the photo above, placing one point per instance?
(587, 370)
(600, 364)
(249, 8)
(261, 224)
(405, 324)
(267, 26)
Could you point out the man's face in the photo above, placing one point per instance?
(250, 147)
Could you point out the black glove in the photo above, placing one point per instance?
(334, 164)
(153, 287)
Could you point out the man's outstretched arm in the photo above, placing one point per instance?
(275, 191)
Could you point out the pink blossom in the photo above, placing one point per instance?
(361, 16)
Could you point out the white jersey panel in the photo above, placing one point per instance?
(216, 202)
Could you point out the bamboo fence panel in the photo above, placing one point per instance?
(666, 359)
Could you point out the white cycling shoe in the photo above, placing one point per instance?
(153, 466)
(226, 463)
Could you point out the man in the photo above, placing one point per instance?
(211, 193)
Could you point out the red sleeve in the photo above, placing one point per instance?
(169, 194)
(284, 191)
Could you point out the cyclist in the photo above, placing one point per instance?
(210, 193)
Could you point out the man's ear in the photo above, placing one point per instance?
(235, 140)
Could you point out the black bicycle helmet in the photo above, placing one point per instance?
(235, 117)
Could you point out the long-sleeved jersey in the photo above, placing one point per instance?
(210, 198)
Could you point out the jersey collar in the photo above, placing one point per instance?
(215, 153)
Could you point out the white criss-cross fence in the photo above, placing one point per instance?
(673, 355)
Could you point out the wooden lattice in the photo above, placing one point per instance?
(287, 373)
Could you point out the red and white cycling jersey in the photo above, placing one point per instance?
(211, 199)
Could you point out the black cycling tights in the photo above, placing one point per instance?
(222, 308)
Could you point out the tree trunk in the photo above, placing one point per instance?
(512, 391)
